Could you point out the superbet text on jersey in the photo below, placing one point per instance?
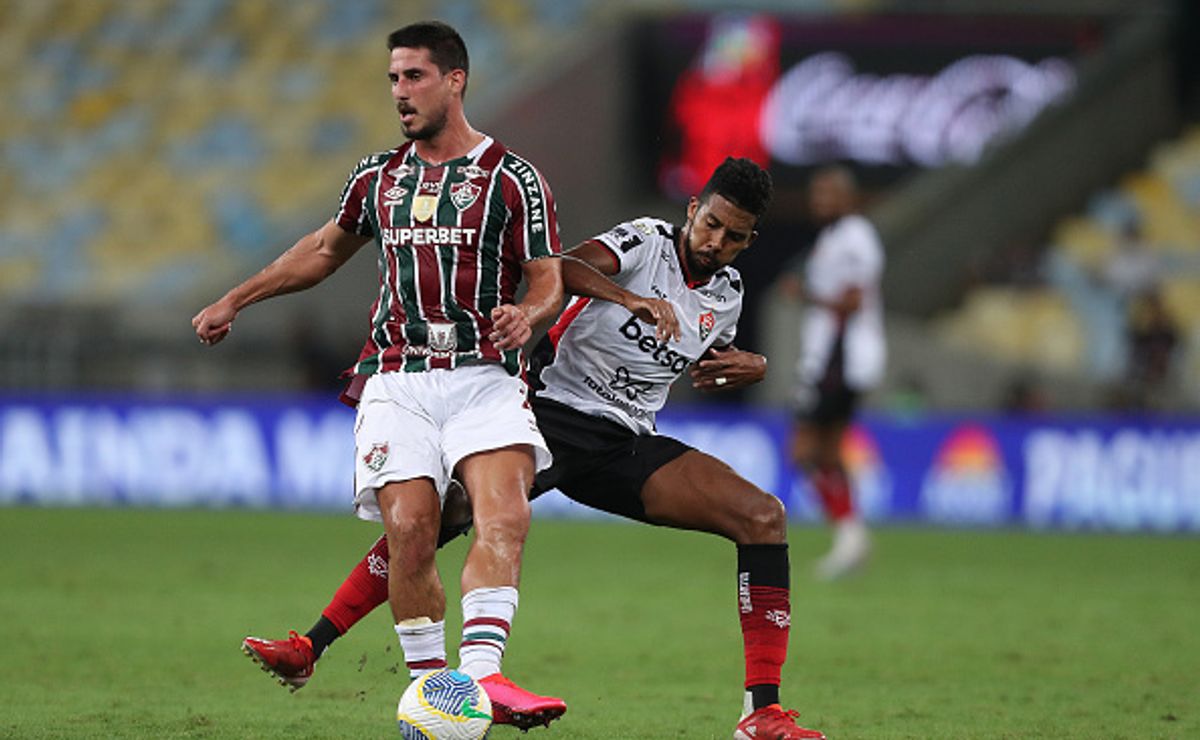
(608, 362)
(451, 241)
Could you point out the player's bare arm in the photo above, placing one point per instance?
(725, 368)
(514, 322)
(310, 260)
(586, 271)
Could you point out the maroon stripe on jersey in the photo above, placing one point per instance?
(393, 354)
(466, 278)
(515, 248)
(429, 268)
(560, 326)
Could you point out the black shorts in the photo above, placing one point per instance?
(829, 405)
(598, 462)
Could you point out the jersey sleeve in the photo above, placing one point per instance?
(729, 332)
(352, 212)
(630, 243)
(533, 222)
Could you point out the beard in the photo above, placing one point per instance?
(696, 269)
(434, 126)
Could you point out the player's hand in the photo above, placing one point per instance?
(214, 322)
(510, 327)
(724, 369)
(658, 312)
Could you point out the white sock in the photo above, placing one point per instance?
(424, 644)
(487, 619)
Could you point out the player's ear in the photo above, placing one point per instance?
(693, 206)
(753, 236)
(458, 80)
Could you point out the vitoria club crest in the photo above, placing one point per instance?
(707, 322)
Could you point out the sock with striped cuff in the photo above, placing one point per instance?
(424, 644)
(487, 619)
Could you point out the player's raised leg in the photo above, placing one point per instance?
(498, 482)
(698, 491)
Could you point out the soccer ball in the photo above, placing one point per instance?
(444, 705)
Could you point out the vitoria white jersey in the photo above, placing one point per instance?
(847, 254)
(607, 362)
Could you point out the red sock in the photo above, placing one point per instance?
(833, 486)
(364, 589)
(764, 605)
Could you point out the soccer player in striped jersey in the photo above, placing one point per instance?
(458, 221)
(652, 301)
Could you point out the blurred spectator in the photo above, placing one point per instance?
(1152, 338)
(1025, 395)
(1101, 293)
(1133, 268)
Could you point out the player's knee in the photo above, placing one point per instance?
(412, 541)
(410, 550)
(763, 519)
(504, 527)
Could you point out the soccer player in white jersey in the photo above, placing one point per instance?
(458, 221)
(651, 302)
(842, 357)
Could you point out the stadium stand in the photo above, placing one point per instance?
(155, 145)
(154, 151)
(1141, 235)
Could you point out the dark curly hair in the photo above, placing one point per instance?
(743, 183)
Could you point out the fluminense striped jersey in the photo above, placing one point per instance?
(451, 241)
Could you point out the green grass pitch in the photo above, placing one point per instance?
(126, 623)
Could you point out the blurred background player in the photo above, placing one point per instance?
(843, 354)
(604, 375)
(447, 209)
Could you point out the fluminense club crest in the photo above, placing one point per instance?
(707, 322)
(377, 456)
(463, 194)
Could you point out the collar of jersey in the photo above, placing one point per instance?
(476, 152)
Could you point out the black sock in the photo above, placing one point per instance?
(322, 634)
(764, 694)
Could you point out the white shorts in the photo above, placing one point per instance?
(420, 425)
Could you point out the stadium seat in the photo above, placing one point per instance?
(195, 87)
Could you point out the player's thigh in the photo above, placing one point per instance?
(488, 412)
(698, 491)
(395, 441)
(498, 482)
